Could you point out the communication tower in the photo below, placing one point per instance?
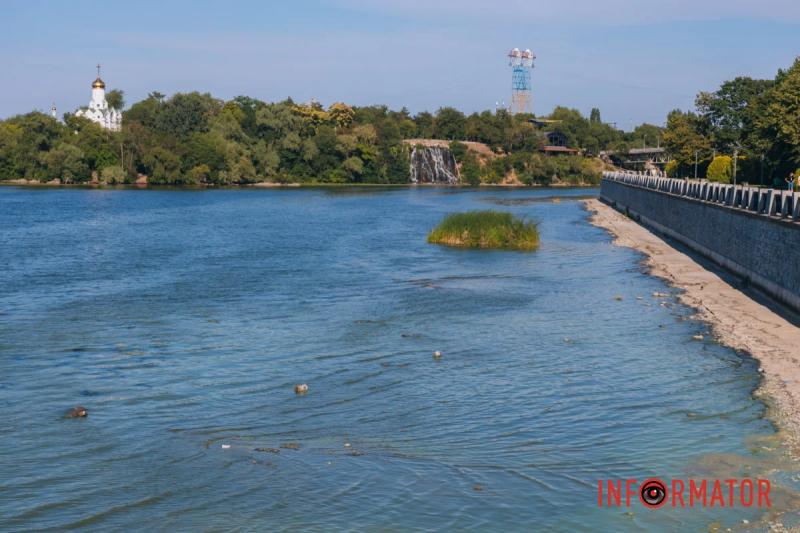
(521, 64)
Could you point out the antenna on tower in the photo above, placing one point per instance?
(521, 64)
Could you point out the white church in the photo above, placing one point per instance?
(98, 110)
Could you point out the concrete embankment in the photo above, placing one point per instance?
(752, 232)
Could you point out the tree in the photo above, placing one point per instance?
(450, 124)
(199, 174)
(725, 114)
(113, 174)
(458, 149)
(184, 114)
(644, 133)
(162, 166)
(720, 169)
(341, 114)
(471, 169)
(594, 116)
(780, 121)
(66, 162)
(115, 99)
(683, 140)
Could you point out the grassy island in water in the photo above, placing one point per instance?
(486, 229)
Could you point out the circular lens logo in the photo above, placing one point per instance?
(653, 493)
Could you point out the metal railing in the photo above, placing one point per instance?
(783, 204)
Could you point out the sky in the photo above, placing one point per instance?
(634, 59)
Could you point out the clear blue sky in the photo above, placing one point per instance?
(634, 59)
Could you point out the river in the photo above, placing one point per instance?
(183, 319)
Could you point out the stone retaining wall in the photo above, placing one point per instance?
(753, 232)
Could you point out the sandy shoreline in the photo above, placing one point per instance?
(737, 320)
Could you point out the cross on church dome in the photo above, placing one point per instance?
(98, 83)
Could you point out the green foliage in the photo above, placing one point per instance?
(720, 169)
(184, 114)
(67, 163)
(195, 138)
(726, 114)
(450, 124)
(113, 174)
(671, 169)
(458, 149)
(759, 119)
(486, 229)
(470, 170)
(116, 99)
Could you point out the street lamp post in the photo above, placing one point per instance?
(735, 159)
(695, 164)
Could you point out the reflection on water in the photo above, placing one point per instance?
(183, 320)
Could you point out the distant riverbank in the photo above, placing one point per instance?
(276, 185)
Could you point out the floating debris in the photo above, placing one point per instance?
(356, 453)
(437, 355)
(660, 295)
(346, 444)
(477, 487)
(268, 450)
(76, 412)
(618, 298)
(301, 388)
(226, 446)
(291, 445)
(697, 337)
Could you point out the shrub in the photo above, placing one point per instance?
(458, 149)
(113, 174)
(199, 174)
(720, 169)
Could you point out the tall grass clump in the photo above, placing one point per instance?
(486, 229)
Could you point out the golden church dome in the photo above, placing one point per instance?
(98, 84)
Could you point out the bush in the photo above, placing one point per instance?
(199, 174)
(720, 169)
(471, 170)
(113, 174)
(671, 168)
(486, 229)
(458, 149)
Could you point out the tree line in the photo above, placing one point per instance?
(748, 126)
(196, 139)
